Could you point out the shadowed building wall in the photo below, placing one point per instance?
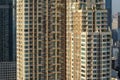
(7, 30)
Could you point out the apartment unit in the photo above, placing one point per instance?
(41, 39)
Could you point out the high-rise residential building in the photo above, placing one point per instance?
(108, 4)
(91, 57)
(41, 39)
(7, 30)
(63, 40)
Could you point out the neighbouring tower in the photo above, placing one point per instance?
(91, 41)
(41, 39)
(7, 30)
(7, 40)
(108, 4)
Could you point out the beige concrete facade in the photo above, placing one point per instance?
(63, 40)
(70, 7)
(41, 27)
(91, 55)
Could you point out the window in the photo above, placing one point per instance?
(89, 13)
(40, 44)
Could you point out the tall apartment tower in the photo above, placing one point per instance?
(91, 42)
(7, 30)
(41, 41)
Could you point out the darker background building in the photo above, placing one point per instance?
(7, 30)
(7, 40)
(108, 5)
(119, 20)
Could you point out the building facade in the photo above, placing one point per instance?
(7, 71)
(63, 40)
(7, 30)
(116, 27)
(41, 41)
(108, 4)
(70, 8)
(92, 42)
(115, 22)
(7, 40)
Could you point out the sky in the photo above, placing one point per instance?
(116, 6)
